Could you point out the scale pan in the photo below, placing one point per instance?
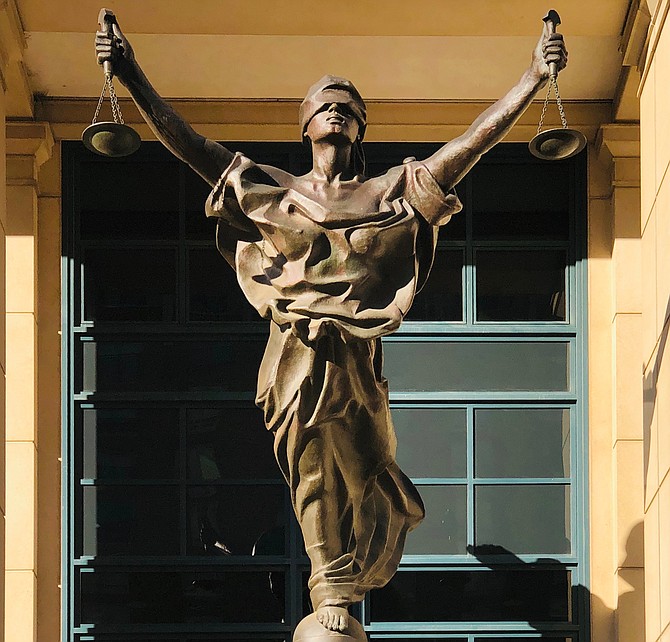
(111, 139)
(557, 144)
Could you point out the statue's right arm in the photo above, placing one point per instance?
(208, 158)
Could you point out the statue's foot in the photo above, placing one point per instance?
(334, 618)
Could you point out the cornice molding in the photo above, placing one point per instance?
(419, 120)
(658, 23)
(621, 140)
(635, 35)
(30, 139)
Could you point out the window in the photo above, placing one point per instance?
(178, 525)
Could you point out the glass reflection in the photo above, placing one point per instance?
(229, 443)
(237, 520)
(520, 285)
(444, 529)
(214, 293)
(118, 598)
(509, 187)
(464, 596)
(476, 365)
(124, 285)
(431, 441)
(193, 366)
(122, 520)
(441, 298)
(131, 443)
(523, 519)
(522, 443)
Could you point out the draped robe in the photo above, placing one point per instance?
(333, 279)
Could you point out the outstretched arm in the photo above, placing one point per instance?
(205, 156)
(453, 161)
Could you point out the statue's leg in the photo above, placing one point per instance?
(327, 495)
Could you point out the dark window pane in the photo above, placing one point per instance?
(198, 225)
(462, 596)
(455, 229)
(148, 638)
(137, 520)
(522, 187)
(214, 293)
(171, 365)
(520, 285)
(230, 443)
(237, 520)
(522, 443)
(526, 638)
(444, 529)
(129, 200)
(131, 443)
(441, 299)
(130, 285)
(523, 519)
(113, 600)
(431, 441)
(129, 185)
(513, 225)
(101, 224)
(476, 365)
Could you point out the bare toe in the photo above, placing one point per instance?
(342, 623)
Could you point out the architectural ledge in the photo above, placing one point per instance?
(29, 145)
(619, 140)
(30, 139)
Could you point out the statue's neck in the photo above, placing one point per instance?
(331, 162)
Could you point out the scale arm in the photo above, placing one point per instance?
(208, 158)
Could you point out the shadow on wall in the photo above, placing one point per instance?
(650, 391)
(625, 623)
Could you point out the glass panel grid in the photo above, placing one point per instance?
(469, 481)
(472, 485)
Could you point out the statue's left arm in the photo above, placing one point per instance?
(453, 161)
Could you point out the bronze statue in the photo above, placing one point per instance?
(333, 259)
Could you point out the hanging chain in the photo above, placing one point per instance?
(564, 121)
(544, 109)
(102, 97)
(553, 83)
(116, 108)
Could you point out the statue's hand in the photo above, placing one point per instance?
(116, 49)
(550, 48)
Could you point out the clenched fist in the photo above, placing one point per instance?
(113, 47)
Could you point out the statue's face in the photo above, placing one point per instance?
(334, 123)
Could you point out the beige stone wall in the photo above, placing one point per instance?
(655, 226)
(29, 145)
(615, 387)
(3, 369)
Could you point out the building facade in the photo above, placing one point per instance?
(543, 458)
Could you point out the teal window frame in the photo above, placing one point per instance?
(572, 331)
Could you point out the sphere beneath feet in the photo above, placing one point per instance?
(311, 630)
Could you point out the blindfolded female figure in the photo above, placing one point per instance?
(333, 259)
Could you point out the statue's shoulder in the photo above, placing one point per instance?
(281, 177)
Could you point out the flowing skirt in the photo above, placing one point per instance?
(327, 404)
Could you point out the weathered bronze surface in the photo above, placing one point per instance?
(333, 259)
(107, 138)
(557, 143)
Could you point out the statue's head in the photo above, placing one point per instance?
(329, 90)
